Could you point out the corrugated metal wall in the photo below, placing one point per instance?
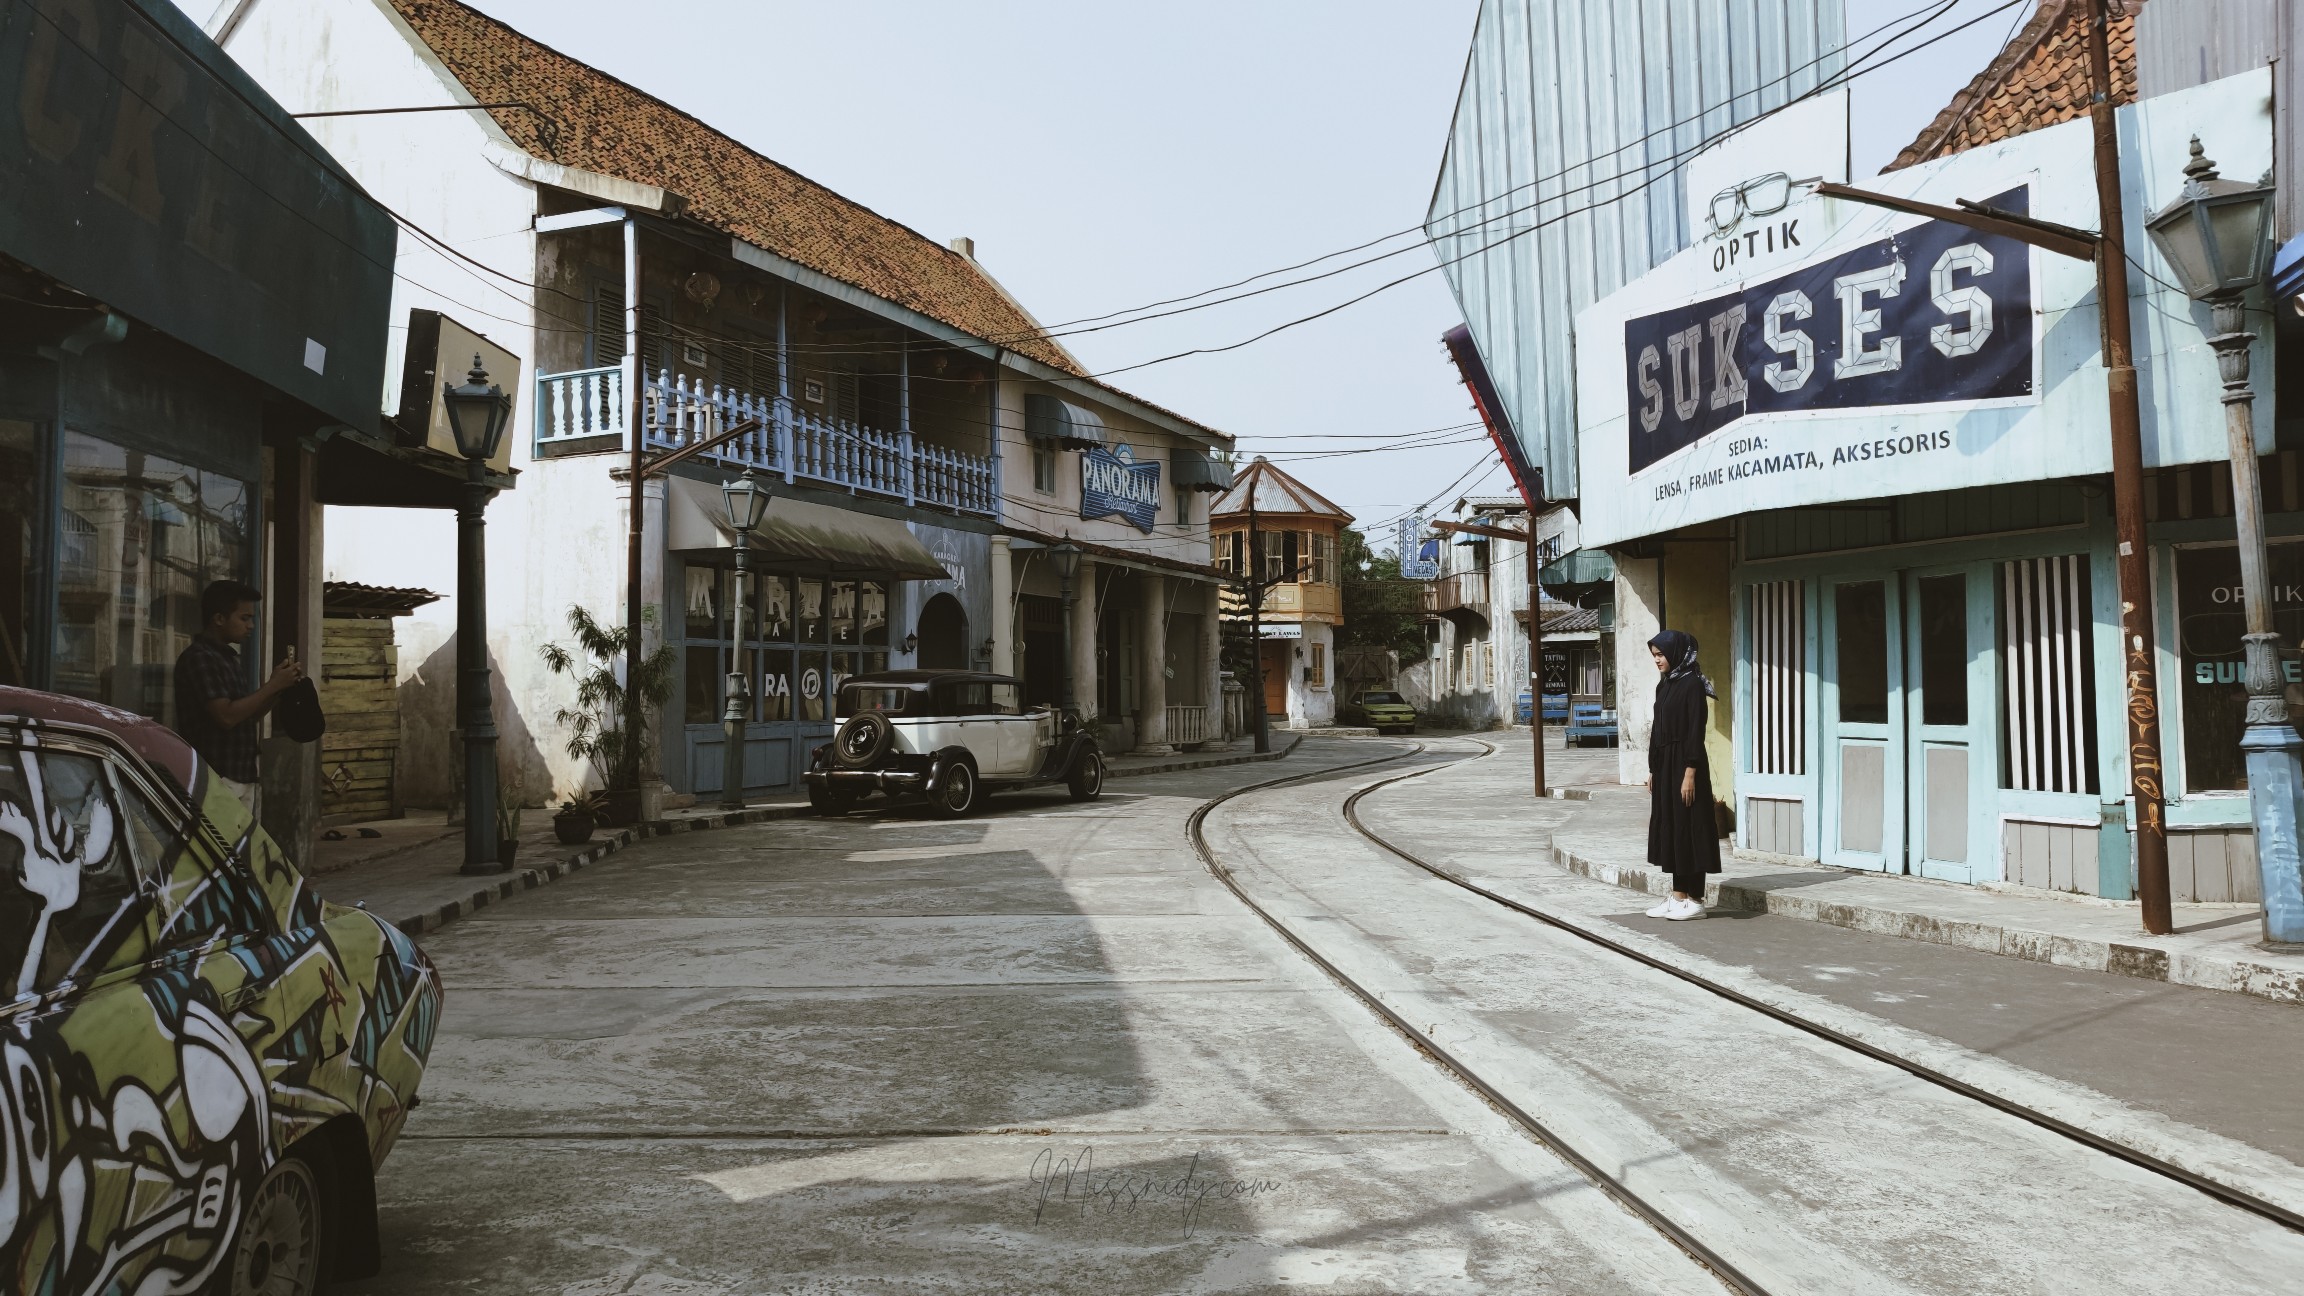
(2184, 43)
(1561, 181)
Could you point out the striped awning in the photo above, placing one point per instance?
(1197, 470)
(1074, 427)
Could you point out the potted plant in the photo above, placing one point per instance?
(573, 823)
(597, 725)
(507, 830)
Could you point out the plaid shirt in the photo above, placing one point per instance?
(206, 672)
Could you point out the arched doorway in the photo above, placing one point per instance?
(943, 634)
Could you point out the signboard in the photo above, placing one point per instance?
(144, 168)
(1281, 630)
(440, 353)
(1113, 484)
(1419, 553)
(1833, 351)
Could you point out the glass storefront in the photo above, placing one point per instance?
(2210, 620)
(139, 537)
(19, 503)
(802, 637)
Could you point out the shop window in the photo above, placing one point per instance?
(774, 667)
(142, 536)
(1943, 650)
(1862, 659)
(844, 612)
(775, 618)
(19, 504)
(701, 697)
(872, 613)
(811, 614)
(1779, 678)
(2210, 619)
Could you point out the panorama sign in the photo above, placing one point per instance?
(1835, 351)
(1113, 484)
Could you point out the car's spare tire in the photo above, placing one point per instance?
(863, 739)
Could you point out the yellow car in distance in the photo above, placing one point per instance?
(1385, 711)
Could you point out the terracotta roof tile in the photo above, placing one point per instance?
(606, 126)
(2040, 79)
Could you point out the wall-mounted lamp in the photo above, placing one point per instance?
(911, 641)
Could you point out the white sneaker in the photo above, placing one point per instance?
(1683, 910)
(1663, 907)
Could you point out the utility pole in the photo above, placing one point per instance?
(2107, 246)
(2128, 490)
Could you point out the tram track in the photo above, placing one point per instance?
(1617, 1190)
(2192, 1179)
(1624, 1194)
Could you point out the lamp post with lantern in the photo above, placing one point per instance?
(477, 411)
(2214, 236)
(1066, 557)
(746, 503)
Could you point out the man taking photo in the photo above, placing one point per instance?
(215, 711)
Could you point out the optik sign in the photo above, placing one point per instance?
(1936, 314)
(1113, 484)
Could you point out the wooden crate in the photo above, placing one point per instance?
(359, 689)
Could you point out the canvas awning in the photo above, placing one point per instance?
(1196, 470)
(795, 535)
(1074, 427)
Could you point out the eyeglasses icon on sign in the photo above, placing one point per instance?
(1760, 196)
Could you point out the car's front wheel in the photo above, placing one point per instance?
(1086, 781)
(957, 792)
(277, 1252)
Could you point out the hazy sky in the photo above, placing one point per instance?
(1104, 156)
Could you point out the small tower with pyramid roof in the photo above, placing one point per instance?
(1297, 533)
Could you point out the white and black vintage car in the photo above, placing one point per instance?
(950, 736)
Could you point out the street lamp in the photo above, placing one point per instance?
(746, 503)
(477, 412)
(2214, 236)
(1066, 557)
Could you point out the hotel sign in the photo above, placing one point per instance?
(1114, 484)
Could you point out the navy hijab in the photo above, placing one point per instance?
(1679, 649)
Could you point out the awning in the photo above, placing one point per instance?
(1074, 427)
(1197, 470)
(1578, 575)
(795, 535)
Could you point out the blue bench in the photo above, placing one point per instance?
(1555, 708)
(1591, 723)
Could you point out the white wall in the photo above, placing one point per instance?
(555, 540)
(1638, 594)
(1310, 707)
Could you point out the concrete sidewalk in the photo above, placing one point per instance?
(2216, 947)
(410, 872)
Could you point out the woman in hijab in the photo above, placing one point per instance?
(1683, 839)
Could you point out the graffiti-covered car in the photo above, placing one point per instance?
(950, 736)
(204, 1062)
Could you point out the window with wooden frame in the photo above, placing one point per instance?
(1043, 468)
(1316, 665)
(1323, 547)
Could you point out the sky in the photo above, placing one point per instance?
(1103, 156)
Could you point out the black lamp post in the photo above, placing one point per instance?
(746, 503)
(1066, 557)
(477, 411)
(2214, 236)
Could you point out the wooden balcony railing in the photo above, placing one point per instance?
(585, 409)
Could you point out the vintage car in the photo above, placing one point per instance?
(950, 736)
(204, 1062)
(1383, 710)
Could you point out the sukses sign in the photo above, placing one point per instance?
(1935, 314)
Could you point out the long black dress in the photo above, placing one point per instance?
(1683, 840)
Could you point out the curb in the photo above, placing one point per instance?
(433, 919)
(2236, 975)
(529, 879)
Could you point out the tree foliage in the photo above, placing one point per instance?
(1380, 609)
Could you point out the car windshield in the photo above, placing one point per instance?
(1379, 699)
(853, 700)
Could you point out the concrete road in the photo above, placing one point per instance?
(1811, 1167)
(1036, 1051)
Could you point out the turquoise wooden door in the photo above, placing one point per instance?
(1950, 747)
(1863, 747)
